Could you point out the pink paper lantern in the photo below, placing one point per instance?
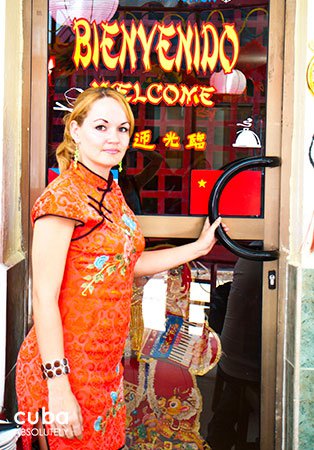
(228, 83)
(65, 11)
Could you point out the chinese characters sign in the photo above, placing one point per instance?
(196, 141)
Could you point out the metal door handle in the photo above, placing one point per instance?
(232, 169)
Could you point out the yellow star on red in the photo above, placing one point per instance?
(202, 183)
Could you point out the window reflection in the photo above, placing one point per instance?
(208, 391)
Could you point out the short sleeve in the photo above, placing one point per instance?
(59, 199)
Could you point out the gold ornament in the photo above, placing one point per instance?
(76, 156)
(137, 322)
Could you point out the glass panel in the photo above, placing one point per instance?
(167, 58)
(193, 357)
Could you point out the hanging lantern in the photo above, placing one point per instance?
(65, 11)
(228, 83)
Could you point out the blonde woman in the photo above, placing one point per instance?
(87, 248)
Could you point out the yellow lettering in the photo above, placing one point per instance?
(200, 48)
(146, 43)
(151, 99)
(123, 88)
(187, 96)
(137, 97)
(128, 42)
(95, 58)
(205, 95)
(163, 46)
(185, 42)
(82, 53)
(96, 83)
(209, 59)
(197, 49)
(231, 35)
(110, 30)
(171, 94)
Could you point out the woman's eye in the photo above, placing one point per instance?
(100, 127)
(124, 129)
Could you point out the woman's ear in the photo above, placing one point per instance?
(74, 131)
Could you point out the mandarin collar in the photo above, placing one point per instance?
(91, 177)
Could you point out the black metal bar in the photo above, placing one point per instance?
(4, 426)
(232, 170)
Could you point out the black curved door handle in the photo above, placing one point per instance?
(231, 171)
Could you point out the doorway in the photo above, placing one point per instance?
(244, 122)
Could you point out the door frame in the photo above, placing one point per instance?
(266, 229)
(272, 341)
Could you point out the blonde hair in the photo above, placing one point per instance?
(83, 103)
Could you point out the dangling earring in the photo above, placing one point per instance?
(120, 166)
(76, 156)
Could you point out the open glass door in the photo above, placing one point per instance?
(198, 365)
(193, 363)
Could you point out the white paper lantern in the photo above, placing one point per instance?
(64, 11)
(228, 83)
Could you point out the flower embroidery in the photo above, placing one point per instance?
(128, 249)
(121, 263)
(100, 261)
(98, 423)
(121, 260)
(129, 222)
(100, 264)
(114, 397)
(117, 403)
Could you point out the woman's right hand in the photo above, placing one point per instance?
(62, 402)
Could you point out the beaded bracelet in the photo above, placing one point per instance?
(55, 368)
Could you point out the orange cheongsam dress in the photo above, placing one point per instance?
(94, 303)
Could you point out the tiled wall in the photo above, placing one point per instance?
(299, 406)
(306, 406)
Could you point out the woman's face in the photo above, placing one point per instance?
(103, 137)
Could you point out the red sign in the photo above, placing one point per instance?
(240, 197)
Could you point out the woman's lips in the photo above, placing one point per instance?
(111, 151)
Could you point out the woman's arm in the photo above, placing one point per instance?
(51, 240)
(155, 261)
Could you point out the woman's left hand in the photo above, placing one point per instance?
(151, 262)
(207, 238)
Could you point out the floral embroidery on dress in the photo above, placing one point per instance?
(117, 403)
(121, 263)
(100, 261)
(99, 264)
(121, 260)
(129, 222)
(129, 235)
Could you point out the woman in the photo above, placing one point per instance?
(87, 248)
